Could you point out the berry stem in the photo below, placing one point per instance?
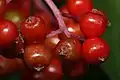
(57, 14)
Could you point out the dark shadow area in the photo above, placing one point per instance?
(95, 73)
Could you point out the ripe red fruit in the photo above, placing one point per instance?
(33, 29)
(99, 12)
(74, 28)
(95, 50)
(79, 7)
(51, 42)
(64, 10)
(102, 13)
(25, 7)
(8, 32)
(69, 49)
(47, 19)
(93, 24)
(54, 70)
(37, 56)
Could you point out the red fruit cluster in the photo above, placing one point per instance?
(47, 46)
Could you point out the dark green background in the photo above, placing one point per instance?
(111, 68)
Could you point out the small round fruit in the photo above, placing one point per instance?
(74, 28)
(95, 50)
(65, 13)
(64, 9)
(51, 42)
(47, 20)
(79, 7)
(54, 70)
(93, 24)
(37, 56)
(14, 16)
(25, 7)
(104, 15)
(8, 32)
(33, 29)
(69, 49)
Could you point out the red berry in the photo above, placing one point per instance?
(102, 13)
(54, 70)
(69, 49)
(79, 7)
(95, 50)
(64, 9)
(33, 29)
(93, 24)
(99, 12)
(8, 32)
(74, 28)
(25, 7)
(47, 19)
(51, 42)
(37, 56)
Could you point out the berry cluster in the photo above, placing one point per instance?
(47, 44)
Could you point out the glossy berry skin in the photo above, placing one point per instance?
(51, 42)
(93, 24)
(37, 56)
(97, 11)
(47, 19)
(95, 50)
(69, 49)
(2, 6)
(79, 7)
(8, 32)
(25, 7)
(54, 70)
(33, 29)
(64, 9)
(74, 27)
